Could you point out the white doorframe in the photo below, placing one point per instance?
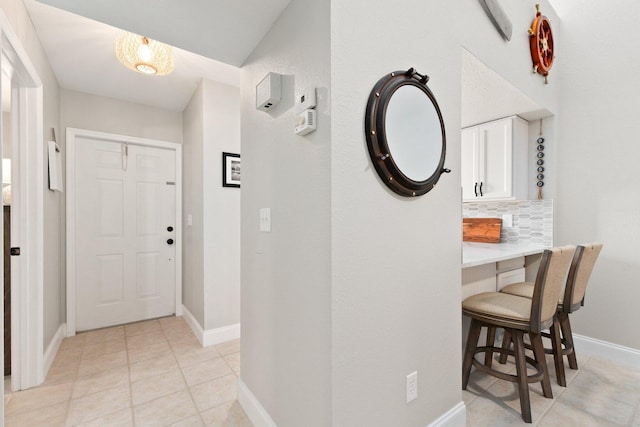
(72, 134)
(26, 296)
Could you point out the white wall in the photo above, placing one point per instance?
(286, 274)
(598, 193)
(221, 207)
(383, 270)
(98, 113)
(192, 204)
(211, 273)
(53, 202)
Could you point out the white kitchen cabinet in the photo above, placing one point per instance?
(494, 160)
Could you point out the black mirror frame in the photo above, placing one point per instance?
(375, 132)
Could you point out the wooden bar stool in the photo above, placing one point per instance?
(573, 298)
(519, 316)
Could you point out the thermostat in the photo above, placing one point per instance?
(268, 92)
(306, 122)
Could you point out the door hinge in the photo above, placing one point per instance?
(14, 251)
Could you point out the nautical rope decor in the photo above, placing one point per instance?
(540, 162)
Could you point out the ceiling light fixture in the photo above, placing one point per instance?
(144, 55)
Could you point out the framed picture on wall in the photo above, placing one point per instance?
(231, 170)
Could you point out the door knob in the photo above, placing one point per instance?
(169, 228)
(170, 241)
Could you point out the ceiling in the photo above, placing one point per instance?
(81, 50)
(488, 96)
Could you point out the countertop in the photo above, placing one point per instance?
(474, 254)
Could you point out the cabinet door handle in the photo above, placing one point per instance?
(475, 189)
(481, 189)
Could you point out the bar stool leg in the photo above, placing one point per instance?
(565, 325)
(506, 342)
(470, 349)
(538, 351)
(491, 338)
(521, 369)
(556, 344)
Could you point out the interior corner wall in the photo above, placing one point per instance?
(53, 203)
(396, 271)
(221, 207)
(193, 207)
(598, 161)
(286, 274)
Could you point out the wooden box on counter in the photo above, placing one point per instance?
(483, 230)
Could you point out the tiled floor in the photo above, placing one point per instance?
(600, 393)
(152, 373)
(156, 373)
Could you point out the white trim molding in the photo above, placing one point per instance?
(28, 280)
(211, 336)
(254, 410)
(53, 347)
(606, 350)
(454, 417)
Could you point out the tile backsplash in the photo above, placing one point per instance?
(532, 219)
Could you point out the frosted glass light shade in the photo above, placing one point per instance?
(144, 55)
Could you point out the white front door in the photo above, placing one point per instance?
(125, 208)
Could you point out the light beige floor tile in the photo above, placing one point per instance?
(120, 418)
(74, 342)
(101, 363)
(229, 347)
(50, 416)
(61, 374)
(206, 371)
(100, 335)
(194, 421)
(215, 392)
(483, 412)
(103, 380)
(38, 397)
(157, 386)
(71, 356)
(97, 405)
(165, 410)
(568, 416)
(233, 360)
(91, 351)
(171, 321)
(196, 355)
(226, 415)
(143, 340)
(142, 328)
(505, 393)
(152, 367)
(184, 344)
(613, 373)
(150, 351)
(636, 419)
(593, 395)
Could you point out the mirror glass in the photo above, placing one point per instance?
(413, 132)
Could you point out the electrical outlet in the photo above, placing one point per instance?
(412, 386)
(507, 220)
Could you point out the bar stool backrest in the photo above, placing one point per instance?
(579, 274)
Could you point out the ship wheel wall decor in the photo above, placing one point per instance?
(541, 44)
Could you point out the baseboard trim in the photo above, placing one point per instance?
(193, 324)
(210, 336)
(454, 417)
(52, 348)
(606, 350)
(252, 407)
(223, 334)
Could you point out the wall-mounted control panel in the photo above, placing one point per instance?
(269, 92)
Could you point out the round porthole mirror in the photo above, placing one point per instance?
(405, 133)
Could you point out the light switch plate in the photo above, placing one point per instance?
(265, 220)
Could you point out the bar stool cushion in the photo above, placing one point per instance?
(495, 306)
